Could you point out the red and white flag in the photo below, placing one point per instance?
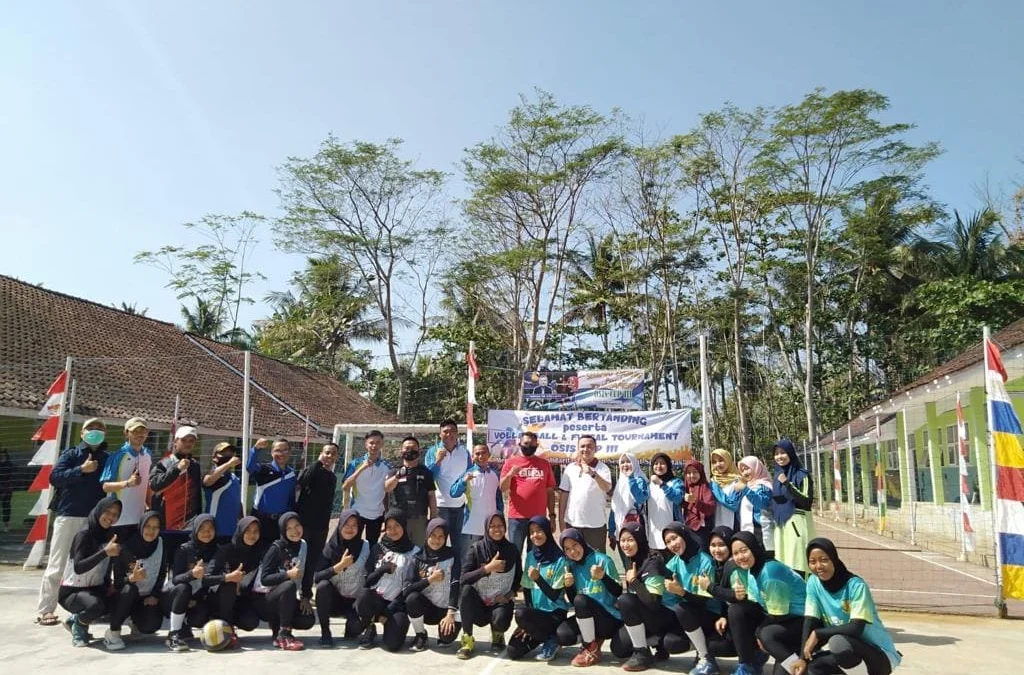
(965, 484)
(55, 396)
(45, 457)
(473, 374)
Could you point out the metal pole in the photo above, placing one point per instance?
(821, 478)
(246, 431)
(879, 476)
(174, 423)
(71, 415)
(705, 396)
(911, 478)
(989, 414)
(849, 471)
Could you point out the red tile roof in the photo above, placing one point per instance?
(127, 365)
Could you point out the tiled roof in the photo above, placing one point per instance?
(126, 365)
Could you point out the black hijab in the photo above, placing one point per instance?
(549, 553)
(756, 549)
(576, 536)
(691, 544)
(500, 547)
(290, 548)
(668, 461)
(206, 551)
(643, 549)
(430, 556)
(249, 557)
(334, 549)
(723, 532)
(137, 545)
(404, 543)
(99, 533)
(841, 575)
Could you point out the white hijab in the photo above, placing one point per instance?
(622, 498)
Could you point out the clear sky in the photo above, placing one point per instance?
(120, 119)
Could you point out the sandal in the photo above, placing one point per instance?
(48, 619)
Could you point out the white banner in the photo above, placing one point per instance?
(643, 434)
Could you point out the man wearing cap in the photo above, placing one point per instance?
(222, 490)
(317, 483)
(275, 484)
(76, 476)
(176, 482)
(126, 476)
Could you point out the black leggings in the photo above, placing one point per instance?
(238, 609)
(744, 618)
(846, 652)
(658, 623)
(128, 603)
(195, 607)
(417, 604)
(605, 625)
(782, 638)
(88, 603)
(280, 607)
(476, 613)
(369, 529)
(537, 623)
(370, 604)
(329, 602)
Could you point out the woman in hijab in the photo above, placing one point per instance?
(546, 606)
(666, 496)
(841, 628)
(83, 588)
(791, 506)
(592, 585)
(434, 598)
(191, 580)
(752, 500)
(628, 498)
(340, 577)
(695, 611)
(698, 503)
(717, 585)
(490, 580)
(769, 607)
(138, 580)
(239, 562)
(724, 482)
(286, 572)
(644, 615)
(390, 567)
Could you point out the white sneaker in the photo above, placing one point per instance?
(112, 641)
(133, 632)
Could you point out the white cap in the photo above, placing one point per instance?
(182, 432)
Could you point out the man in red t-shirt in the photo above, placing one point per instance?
(530, 483)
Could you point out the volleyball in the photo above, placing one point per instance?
(217, 635)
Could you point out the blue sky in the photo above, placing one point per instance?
(122, 120)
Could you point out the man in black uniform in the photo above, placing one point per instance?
(317, 483)
(411, 489)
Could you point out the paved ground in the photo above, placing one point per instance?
(940, 645)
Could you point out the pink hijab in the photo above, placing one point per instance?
(759, 474)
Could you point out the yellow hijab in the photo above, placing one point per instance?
(730, 475)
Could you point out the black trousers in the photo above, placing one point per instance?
(330, 603)
(537, 623)
(88, 603)
(238, 609)
(269, 530)
(315, 536)
(658, 623)
(417, 604)
(370, 605)
(280, 608)
(843, 651)
(585, 607)
(476, 613)
(781, 638)
(744, 619)
(370, 529)
(129, 604)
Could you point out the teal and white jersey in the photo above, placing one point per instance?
(700, 565)
(852, 601)
(777, 588)
(554, 574)
(595, 588)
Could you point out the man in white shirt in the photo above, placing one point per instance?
(448, 460)
(583, 495)
(364, 482)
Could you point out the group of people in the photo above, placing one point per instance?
(726, 566)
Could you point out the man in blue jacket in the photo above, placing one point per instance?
(76, 477)
(275, 485)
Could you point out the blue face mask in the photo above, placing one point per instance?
(94, 437)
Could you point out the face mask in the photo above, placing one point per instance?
(94, 437)
(528, 450)
(220, 459)
(410, 455)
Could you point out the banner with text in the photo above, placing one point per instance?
(643, 434)
(583, 389)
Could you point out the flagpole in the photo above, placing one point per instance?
(1000, 600)
(246, 433)
(71, 416)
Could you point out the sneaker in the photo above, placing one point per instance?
(497, 641)
(640, 660)
(286, 641)
(80, 634)
(419, 642)
(661, 652)
(112, 641)
(548, 650)
(176, 643)
(760, 659)
(368, 637)
(467, 648)
(747, 669)
(69, 623)
(133, 631)
(326, 640)
(186, 634)
(589, 654)
(705, 666)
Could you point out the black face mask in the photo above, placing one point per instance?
(528, 450)
(410, 455)
(220, 459)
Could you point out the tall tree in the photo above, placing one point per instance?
(367, 205)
